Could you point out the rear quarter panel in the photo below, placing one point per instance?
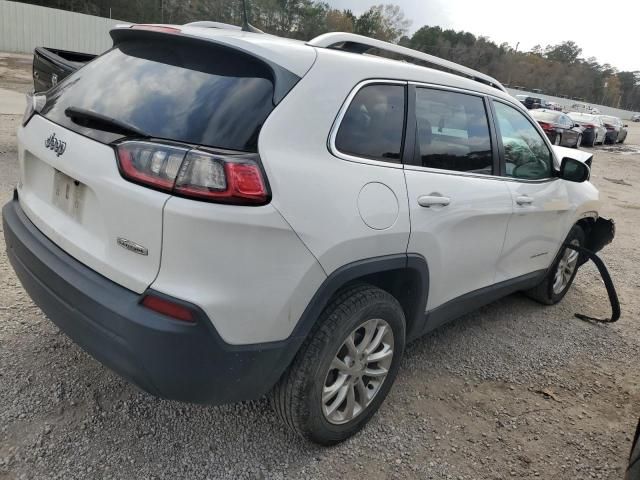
(317, 192)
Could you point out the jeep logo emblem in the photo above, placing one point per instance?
(55, 144)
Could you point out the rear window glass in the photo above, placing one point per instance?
(373, 125)
(205, 95)
(452, 132)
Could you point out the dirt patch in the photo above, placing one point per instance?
(622, 149)
(15, 72)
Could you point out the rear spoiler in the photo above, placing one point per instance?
(284, 80)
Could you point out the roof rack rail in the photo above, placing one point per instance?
(208, 24)
(351, 42)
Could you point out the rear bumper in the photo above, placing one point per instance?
(165, 357)
(588, 137)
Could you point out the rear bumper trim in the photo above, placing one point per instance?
(165, 357)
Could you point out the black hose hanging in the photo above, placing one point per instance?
(606, 278)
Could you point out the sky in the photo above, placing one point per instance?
(607, 30)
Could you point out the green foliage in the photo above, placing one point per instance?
(555, 69)
(565, 52)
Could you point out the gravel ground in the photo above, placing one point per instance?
(466, 405)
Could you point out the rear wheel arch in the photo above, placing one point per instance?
(404, 276)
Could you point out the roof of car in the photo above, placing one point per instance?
(290, 54)
(298, 57)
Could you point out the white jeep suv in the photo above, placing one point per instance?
(216, 214)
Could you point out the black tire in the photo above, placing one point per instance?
(297, 397)
(544, 293)
(593, 141)
(578, 141)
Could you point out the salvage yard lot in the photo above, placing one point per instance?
(515, 390)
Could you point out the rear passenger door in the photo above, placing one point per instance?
(459, 205)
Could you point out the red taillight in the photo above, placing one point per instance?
(156, 28)
(150, 163)
(233, 179)
(609, 127)
(546, 126)
(588, 126)
(168, 308)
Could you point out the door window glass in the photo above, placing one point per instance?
(452, 132)
(526, 153)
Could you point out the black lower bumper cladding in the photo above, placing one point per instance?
(164, 356)
(601, 235)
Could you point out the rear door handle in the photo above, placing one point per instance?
(433, 200)
(524, 200)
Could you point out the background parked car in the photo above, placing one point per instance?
(616, 130)
(555, 106)
(533, 103)
(584, 108)
(636, 118)
(593, 132)
(522, 99)
(560, 129)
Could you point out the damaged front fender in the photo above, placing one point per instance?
(599, 235)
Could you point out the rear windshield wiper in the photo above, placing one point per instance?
(90, 119)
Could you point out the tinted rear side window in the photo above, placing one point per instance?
(452, 132)
(373, 124)
(205, 95)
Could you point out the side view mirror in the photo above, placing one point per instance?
(626, 126)
(573, 170)
(577, 125)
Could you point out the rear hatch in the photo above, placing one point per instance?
(169, 89)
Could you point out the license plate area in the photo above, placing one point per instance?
(68, 194)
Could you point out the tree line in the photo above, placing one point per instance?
(555, 69)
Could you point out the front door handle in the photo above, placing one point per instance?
(433, 200)
(524, 200)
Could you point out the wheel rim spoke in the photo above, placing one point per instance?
(382, 330)
(378, 372)
(362, 392)
(333, 406)
(385, 352)
(351, 345)
(369, 332)
(351, 403)
(328, 392)
(338, 364)
(566, 268)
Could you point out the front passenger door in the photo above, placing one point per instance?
(540, 200)
(458, 203)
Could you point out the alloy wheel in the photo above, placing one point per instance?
(566, 267)
(358, 371)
